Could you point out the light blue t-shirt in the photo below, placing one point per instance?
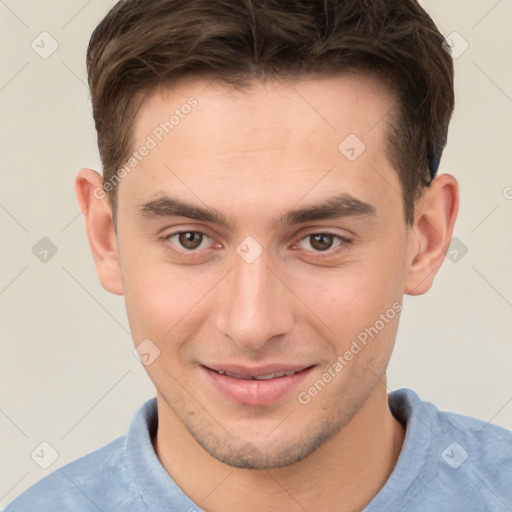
(448, 463)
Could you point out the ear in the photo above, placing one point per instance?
(99, 224)
(431, 233)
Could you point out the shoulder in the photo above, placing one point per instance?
(482, 450)
(470, 458)
(100, 480)
(483, 438)
(487, 446)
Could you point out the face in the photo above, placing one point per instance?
(264, 261)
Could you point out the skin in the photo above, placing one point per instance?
(254, 155)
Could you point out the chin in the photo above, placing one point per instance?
(259, 452)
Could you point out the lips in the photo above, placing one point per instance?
(255, 386)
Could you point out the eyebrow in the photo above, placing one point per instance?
(342, 205)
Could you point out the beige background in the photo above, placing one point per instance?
(67, 372)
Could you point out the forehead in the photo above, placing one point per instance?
(299, 109)
(274, 138)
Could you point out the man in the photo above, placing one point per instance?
(269, 194)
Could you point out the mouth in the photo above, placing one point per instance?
(255, 386)
(269, 376)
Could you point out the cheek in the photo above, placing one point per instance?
(161, 303)
(153, 299)
(346, 300)
(162, 298)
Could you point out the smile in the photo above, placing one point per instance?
(259, 377)
(255, 386)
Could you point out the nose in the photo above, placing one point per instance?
(254, 305)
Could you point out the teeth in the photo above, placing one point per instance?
(274, 375)
(268, 377)
(259, 377)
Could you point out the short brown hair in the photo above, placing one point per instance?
(142, 44)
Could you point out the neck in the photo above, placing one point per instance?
(343, 475)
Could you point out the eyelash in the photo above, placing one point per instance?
(342, 246)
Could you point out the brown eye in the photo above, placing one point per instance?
(324, 244)
(187, 241)
(190, 239)
(321, 241)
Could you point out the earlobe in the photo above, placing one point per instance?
(99, 225)
(436, 212)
